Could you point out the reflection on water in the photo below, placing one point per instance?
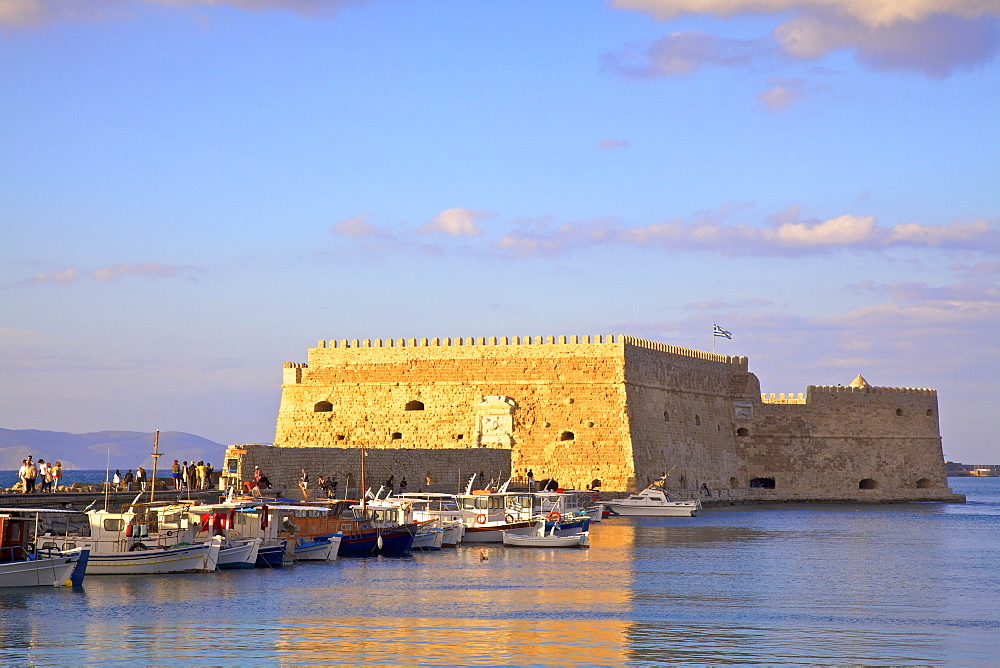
(799, 584)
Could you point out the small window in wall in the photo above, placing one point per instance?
(733, 483)
(323, 407)
(396, 436)
(567, 436)
(930, 413)
(666, 416)
(742, 431)
(697, 420)
(899, 411)
(232, 465)
(924, 483)
(867, 483)
(414, 405)
(763, 483)
(340, 437)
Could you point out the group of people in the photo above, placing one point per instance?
(125, 482)
(192, 475)
(42, 477)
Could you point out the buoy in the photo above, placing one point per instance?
(379, 541)
(483, 556)
(68, 583)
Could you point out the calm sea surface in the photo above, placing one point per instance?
(913, 584)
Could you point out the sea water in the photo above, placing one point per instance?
(911, 584)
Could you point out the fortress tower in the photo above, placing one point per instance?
(613, 410)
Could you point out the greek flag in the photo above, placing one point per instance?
(722, 332)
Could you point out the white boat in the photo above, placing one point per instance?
(535, 536)
(441, 509)
(487, 513)
(121, 543)
(324, 549)
(654, 501)
(239, 555)
(21, 566)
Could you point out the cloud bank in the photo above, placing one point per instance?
(106, 274)
(709, 232)
(933, 37)
(39, 12)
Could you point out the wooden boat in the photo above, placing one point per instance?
(654, 501)
(22, 566)
(536, 536)
(122, 543)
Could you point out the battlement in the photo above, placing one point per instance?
(782, 399)
(833, 390)
(586, 339)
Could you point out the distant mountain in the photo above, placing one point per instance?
(128, 449)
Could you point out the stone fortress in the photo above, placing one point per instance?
(612, 411)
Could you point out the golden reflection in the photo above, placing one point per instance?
(453, 641)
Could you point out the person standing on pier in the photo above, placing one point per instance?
(43, 472)
(140, 478)
(117, 479)
(127, 480)
(56, 475)
(175, 473)
(304, 485)
(22, 475)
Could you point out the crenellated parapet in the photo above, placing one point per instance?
(561, 340)
(839, 390)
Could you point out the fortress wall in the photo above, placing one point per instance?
(681, 416)
(567, 417)
(425, 470)
(843, 435)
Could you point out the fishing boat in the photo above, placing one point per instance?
(654, 501)
(22, 566)
(537, 536)
(441, 509)
(122, 543)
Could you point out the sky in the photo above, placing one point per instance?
(194, 191)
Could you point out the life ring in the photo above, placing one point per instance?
(596, 496)
(480, 519)
(509, 518)
(128, 531)
(138, 546)
(554, 517)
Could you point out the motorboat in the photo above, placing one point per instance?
(537, 536)
(654, 501)
(359, 536)
(320, 549)
(22, 565)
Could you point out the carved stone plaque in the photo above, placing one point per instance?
(742, 410)
(495, 421)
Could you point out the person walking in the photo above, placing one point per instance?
(140, 478)
(56, 475)
(43, 472)
(22, 475)
(127, 480)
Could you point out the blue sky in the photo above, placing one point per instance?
(195, 191)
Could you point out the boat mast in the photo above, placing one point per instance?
(156, 455)
(363, 493)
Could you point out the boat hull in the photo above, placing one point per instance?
(394, 543)
(43, 572)
(676, 509)
(271, 556)
(491, 533)
(515, 539)
(318, 550)
(185, 559)
(239, 556)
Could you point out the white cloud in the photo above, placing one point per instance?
(934, 37)
(869, 12)
(358, 226)
(782, 93)
(711, 231)
(456, 221)
(107, 274)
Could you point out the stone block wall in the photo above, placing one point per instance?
(432, 470)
